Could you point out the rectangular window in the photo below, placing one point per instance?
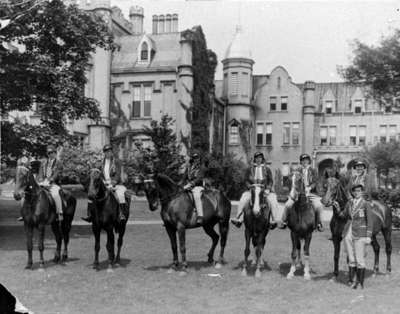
(328, 106)
(362, 134)
(358, 106)
(285, 174)
(323, 134)
(260, 133)
(332, 135)
(382, 133)
(353, 135)
(272, 103)
(295, 133)
(245, 84)
(284, 103)
(147, 101)
(286, 133)
(268, 134)
(392, 133)
(235, 83)
(234, 134)
(136, 102)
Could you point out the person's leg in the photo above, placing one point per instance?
(360, 257)
(88, 218)
(317, 205)
(55, 194)
(244, 201)
(197, 201)
(120, 192)
(289, 203)
(273, 205)
(349, 246)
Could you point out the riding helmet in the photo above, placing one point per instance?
(358, 185)
(305, 156)
(359, 163)
(259, 154)
(107, 147)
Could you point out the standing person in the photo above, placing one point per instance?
(111, 173)
(309, 179)
(258, 173)
(193, 181)
(357, 234)
(49, 176)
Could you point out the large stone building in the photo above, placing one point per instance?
(272, 114)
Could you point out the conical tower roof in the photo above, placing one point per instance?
(238, 47)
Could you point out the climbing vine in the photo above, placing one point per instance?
(245, 130)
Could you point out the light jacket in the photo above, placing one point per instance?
(359, 218)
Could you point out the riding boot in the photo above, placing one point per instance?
(352, 272)
(283, 223)
(237, 221)
(89, 214)
(355, 284)
(121, 215)
(360, 275)
(320, 227)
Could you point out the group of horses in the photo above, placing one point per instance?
(178, 214)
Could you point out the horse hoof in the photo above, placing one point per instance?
(333, 279)
(110, 270)
(64, 258)
(170, 270)
(41, 268)
(290, 276)
(56, 260)
(244, 272)
(29, 267)
(257, 274)
(253, 263)
(96, 266)
(183, 273)
(218, 265)
(307, 276)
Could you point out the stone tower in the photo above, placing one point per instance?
(136, 17)
(308, 117)
(237, 89)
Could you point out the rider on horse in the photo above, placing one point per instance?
(258, 173)
(309, 180)
(362, 177)
(193, 181)
(111, 173)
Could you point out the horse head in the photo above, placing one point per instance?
(150, 186)
(24, 182)
(159, 188)
(96, 186)
(335, 195)
(256, 198)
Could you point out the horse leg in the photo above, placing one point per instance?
(41, 245)
(209, 229)
(121, 233)
(223, 231)
(387, 234)
(57, 234)
(96, 232)
(295, 245)
(110, 248)
(182, 247)
(65, 229)
(307, 242)
(259, 251)
(336, 247)
(29, 244)
(376, 247)
(171, 231)
(246, 252)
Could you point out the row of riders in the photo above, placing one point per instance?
(356, 233)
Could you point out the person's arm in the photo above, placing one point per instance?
(40, 176)
(313, 182)
(269, 179)
(368, 219)
(57, 171)
(345, 214)
(116, 175)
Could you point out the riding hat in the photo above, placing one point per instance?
(259, 154)
(51, 148)
(195, 156)
(107, 147)
(305, 156)
(358, 185)
(359, 163)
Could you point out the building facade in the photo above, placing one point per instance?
(329, 121)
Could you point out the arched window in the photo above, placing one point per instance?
(279, 83)
(144, 52)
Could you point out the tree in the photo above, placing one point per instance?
(378, 67)
(384, 155)
(47, 73)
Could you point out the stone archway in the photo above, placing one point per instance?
(325, 165)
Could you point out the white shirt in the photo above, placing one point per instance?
(258, 175)
(107, 169)
(305, 176)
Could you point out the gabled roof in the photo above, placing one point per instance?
(166, 56)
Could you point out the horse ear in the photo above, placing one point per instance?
(337, 175)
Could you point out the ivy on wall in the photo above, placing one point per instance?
(204, 63)
(245, 132)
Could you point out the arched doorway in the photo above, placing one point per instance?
(324, 166)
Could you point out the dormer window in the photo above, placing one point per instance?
(358, 106)
(144, 52)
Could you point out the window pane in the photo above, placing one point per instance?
(286, 133)
(136, 109)
(147, 101)
(245, 84)
(136, 93)
(392, 133)
(284, 102)
(328, 106)
(260, 132)
(268, 134)
(272, 102)
(357, 105)
(235, 83)
(144, 52)
(295, 133)
(353, 131)
(332, 135)
(323, 134)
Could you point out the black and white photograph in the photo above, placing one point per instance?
(199, 156)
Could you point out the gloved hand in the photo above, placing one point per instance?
(187, 186)
(367, 240)
(267, 191)
(308, 191)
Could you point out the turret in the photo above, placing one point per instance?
(308, 117)
(136, 17)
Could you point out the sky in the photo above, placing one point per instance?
(310, 39)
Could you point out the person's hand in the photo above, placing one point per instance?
(267, 191)
(187, 186)
(367, 240)
(308, 191)
(113, 182)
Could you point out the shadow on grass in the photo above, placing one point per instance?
(284, 269)
(50, 263)
(103, 265)
(196, 265)
(342, 277)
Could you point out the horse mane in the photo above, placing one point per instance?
(166, 183)
(342, 198)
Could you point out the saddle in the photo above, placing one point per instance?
(46, 188)
(263, 198)
(205, 193)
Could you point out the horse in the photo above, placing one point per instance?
(178, 214)
(104, 207)
(256, 221)
(301, 222)
(38, 210)
(336, 197)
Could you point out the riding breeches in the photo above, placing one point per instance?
(55, 194)
(197, 190)
(120, 192)
(315, 201)
(245, 201)
(355, 249)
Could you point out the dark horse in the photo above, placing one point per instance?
(256, 221)
(336, 197)
(301, 222)
(104, 208)
(178, 214)
(38, 210)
